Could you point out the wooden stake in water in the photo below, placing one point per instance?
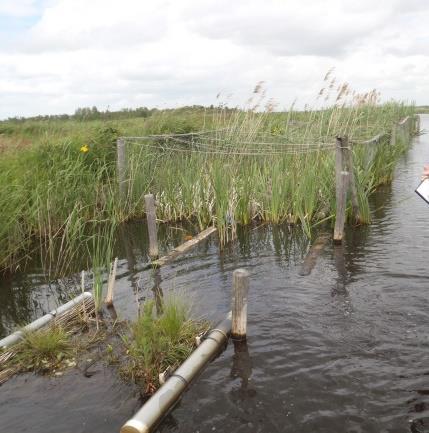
(240, 289)
(121, 167)
(149, 201)
(111, 284)
(341, 186)
(340, 217)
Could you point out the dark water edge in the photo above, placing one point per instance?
(344, 349)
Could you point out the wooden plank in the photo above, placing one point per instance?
(181, 249)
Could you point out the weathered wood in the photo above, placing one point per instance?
(240, 289)
(111, 284)
(121, 167)
(181, 249)
(150, 208)
(340, 216)
(352, 180)
(339, 160)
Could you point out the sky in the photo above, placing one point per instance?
(58, 55)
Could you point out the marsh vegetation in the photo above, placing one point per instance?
(59, 195)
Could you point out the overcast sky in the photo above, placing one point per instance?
(57, 55)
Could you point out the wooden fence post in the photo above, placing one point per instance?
(352, 180)
(240, 289)
(121, 167)
(341, 185)
(149, 201)
(111, 284)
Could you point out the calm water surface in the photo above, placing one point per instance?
(344, 349)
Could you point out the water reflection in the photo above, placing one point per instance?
(157, 291)
(242, 368)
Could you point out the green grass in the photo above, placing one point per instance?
(159, 340)
(43, 349)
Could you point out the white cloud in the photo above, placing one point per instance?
(18, 8)
(168, 53)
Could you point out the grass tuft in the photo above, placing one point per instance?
(160, 340)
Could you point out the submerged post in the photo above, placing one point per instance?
(149, 201)
(341, 185)
(240, 289)
(121, 164)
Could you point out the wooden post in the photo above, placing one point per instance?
(340, 217)
(240, 288)
(111, 284)
(352, 180)
(121, 167)
(341, 185)
(149, 201)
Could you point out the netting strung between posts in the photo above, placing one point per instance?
(226, 142)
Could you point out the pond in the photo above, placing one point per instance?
(343, 349)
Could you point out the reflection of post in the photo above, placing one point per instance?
(157, 291)
(340, 266)
(127, 245)
(241, 363)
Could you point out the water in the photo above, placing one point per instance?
(343, 349)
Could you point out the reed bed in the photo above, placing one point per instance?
(60, 202)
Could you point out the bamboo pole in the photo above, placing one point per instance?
(149, 200)
(240, 290)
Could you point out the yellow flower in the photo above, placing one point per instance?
(84, 148)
